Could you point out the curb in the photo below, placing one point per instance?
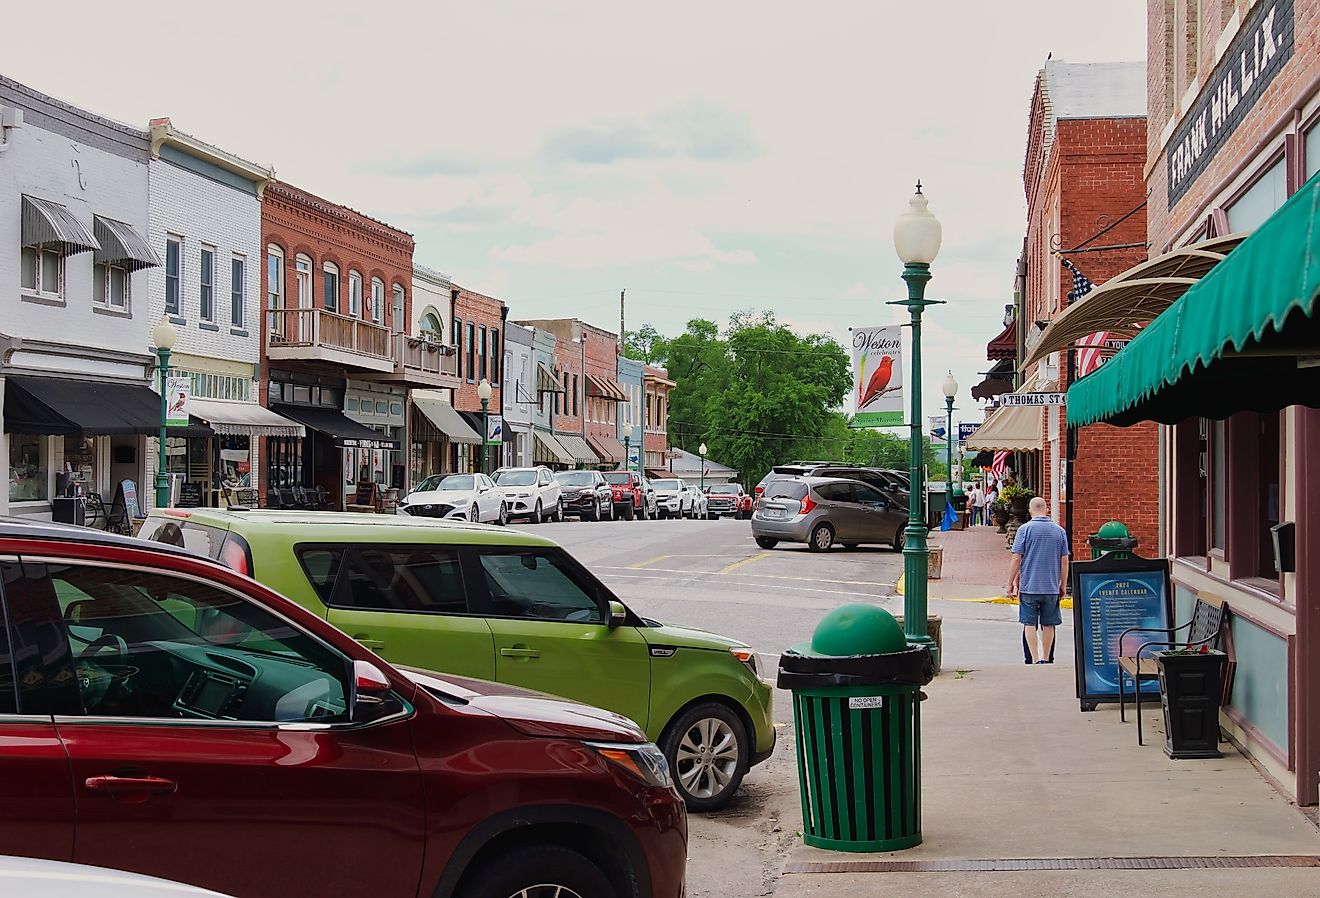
(1066, 602)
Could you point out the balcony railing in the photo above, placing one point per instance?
(319, 328)
(427, 357)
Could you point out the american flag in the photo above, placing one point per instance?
(999, 466)
(1089, 352)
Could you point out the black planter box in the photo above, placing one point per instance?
(1190, 686)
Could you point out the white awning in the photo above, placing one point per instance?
(122, 245)
(1012, 428)
(243, 419)
(47, 223)
(448, 421)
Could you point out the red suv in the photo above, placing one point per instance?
(627, 490)
(165, 715)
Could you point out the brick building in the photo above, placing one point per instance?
(1085, 203)
(656, 387)
(478, 321)
(337, 346)
(1224, 355)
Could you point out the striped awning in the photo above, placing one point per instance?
(47, 223)
(243, 419)
(605, 388)
(608, 448)
(546, 382)
(578, 448)
(123, 246)
(548, 451)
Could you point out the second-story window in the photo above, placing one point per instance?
(304, 274)
(494, 356)
(111, 285)
(173, 273)
(206, 296)
(377, 300)
(457, 336)
(354, 294)
(237, 290)
(43, 270)
(330, 287)
(400, 300)
(481, 351)
(575, 395)
(469, 347)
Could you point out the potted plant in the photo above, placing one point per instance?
(999, 510)
(1017, 498)
(1191, 683)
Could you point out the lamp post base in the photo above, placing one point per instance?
(162, 490)
(915, 562)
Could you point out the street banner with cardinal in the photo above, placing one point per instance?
(878, 376)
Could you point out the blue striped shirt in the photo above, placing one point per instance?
(1041, 543)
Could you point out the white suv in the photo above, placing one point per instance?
(531, 493)
(672, 499)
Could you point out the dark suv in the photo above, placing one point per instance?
(164, 714)
(586, 496)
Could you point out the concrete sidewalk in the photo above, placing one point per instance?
(1013, 770)
(975, 566)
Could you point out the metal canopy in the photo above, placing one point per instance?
(1012, 428)
(122, 245)
(47, 223)
(1127, 302)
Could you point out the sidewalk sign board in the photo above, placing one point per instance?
(1111, 595)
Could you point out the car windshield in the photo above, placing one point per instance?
(515, 478)
(785, 489)
(666, 484)
(454, 482)
(575, 478)
(724, 489)
(619, 478)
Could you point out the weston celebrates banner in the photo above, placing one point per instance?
(878, 376)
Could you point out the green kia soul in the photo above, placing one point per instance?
(493, 603)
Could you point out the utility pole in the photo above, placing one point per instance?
(623, 334)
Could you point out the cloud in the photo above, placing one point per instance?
(700, 131)
(429, 165)
(601, 247)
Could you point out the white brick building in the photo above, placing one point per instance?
(74, 318)
(433, 424)
(205, 225)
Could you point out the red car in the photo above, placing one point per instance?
(728, 499)
(629, 499)
(163, 714)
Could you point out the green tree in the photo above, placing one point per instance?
(644, 344)
(697, 360)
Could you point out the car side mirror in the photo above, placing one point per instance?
(618, 614)
(372, 698)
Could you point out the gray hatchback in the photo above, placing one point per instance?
(821, 511)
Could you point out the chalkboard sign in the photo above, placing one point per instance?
(190, 495)
(128, 498)
(1111, 595)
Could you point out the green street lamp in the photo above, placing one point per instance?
(701, 450)
(483, 393)
(917, 241)
(163, 335)
(950, 391)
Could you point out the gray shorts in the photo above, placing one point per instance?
(1038, 609)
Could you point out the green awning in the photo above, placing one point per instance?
(1244, 338)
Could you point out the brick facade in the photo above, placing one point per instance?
(601, 356)
(656, 386)
(479, 311)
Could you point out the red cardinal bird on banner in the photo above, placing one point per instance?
(879, 380)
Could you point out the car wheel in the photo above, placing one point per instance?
(474, 515)
(536, 513)
(503, 519)
(641, 512)
(900, 540)
(559, 511)
(766, 542)
(537, 870)
(629, 513)
(708, 753)
(592, 514)
(821, 539)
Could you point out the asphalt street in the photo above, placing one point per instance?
(710, 574)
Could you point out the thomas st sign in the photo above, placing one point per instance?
(1031, 399)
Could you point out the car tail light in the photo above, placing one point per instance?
(236, 555)
(759, 490)
(807, 504)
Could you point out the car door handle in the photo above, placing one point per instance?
(370, 643)
(519, 652)
(111, 785)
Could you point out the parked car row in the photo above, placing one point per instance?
(538, 494)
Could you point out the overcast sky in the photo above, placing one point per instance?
(708, 157)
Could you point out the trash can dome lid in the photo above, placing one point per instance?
(858, 630)
(1113, 530)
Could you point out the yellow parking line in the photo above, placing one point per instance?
(737, 564)
(641, 564)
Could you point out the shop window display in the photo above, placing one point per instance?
(79, 468)
(235, 462)
(28, 476)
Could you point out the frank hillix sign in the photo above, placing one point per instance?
(1259, 50)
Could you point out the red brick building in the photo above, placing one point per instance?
(1085, 191)
(478, 323)
(585, 415)
(335, 350)
(656, 387)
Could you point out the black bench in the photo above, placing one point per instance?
(1205, 628)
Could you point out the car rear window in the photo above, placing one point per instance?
(198, 538)
(785, 489)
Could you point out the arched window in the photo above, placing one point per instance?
(399, 301)
(354, 293)
(377, 300)
(304, 274)
(431, 327)
(330, 289)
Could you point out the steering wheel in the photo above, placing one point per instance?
(106, 641)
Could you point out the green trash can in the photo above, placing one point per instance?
(1113, 538)
(857, 710)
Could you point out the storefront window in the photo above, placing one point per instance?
(1260, 201)
(79, 467)
(284, 466)
(28, 476)
(235, 462)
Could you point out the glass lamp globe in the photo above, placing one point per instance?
(164, 334)
(917, 233)
(950, 386)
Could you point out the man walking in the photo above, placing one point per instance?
(1038, 577)
(974, 499)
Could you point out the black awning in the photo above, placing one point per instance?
(58, 406)
(347, 433)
